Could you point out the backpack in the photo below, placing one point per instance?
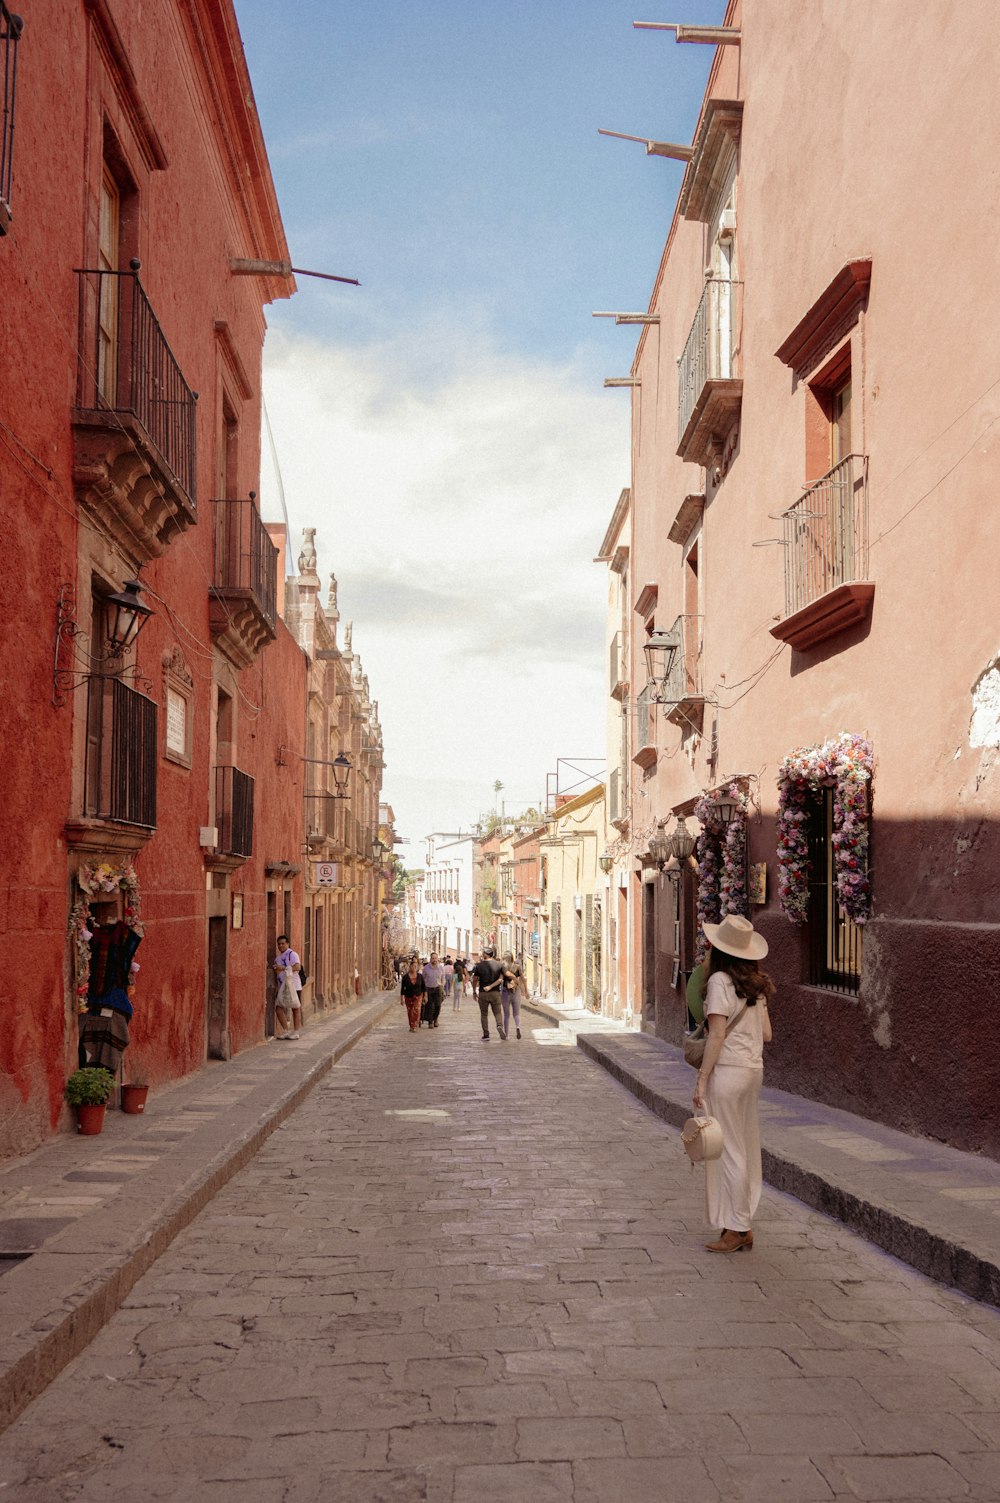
(303, 977)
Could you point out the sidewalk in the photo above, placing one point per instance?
(82, 1218)
(931, 1206)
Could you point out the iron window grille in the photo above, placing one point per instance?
(834, 939)
(10, 35)
(120, 760)
(234, 811)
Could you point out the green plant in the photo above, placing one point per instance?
(89, 1087)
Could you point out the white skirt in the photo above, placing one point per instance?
(733, 1181)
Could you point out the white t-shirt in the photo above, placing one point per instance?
(289, 958)
(745, 1041)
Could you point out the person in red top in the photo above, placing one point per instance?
(412, 989)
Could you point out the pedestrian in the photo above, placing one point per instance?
(487, 977)
(732, 1072)
(458, 984)
(286, 967)
(434, 981)
(449, 976)
(412, 990)
(511, 991)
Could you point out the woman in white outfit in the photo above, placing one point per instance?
(731, 1075)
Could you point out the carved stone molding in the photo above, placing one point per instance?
(125, 485)
(99, 837)
(715, 151)
(238, 625)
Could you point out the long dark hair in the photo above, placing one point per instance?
(747, 977)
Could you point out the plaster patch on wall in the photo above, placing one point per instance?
(984, 728)
(874, 995)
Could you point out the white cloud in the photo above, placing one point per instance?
(460, 496)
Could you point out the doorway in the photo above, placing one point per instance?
(271, 986)
(218, 999)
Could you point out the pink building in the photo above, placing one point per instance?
(812, 557)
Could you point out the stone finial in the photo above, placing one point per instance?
(307, 558)
(348, 634)
(331, 601)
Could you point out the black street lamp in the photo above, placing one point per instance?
(660, 848)
(660, 649)
(126, 615)
(341, 772)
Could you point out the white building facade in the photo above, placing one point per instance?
(447, 911)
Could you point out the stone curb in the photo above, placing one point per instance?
(930, 1252)
(101, 1278)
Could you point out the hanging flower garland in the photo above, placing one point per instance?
(93, 882)
(845, 763)
(721, 851)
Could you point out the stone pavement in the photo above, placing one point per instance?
(933, 1206)
(82, 1218)
(471, 1273)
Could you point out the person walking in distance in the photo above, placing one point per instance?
(412, 990)
(286, 967)
(434, 982)
(511, 991)
(737, 992)
(449, 977)
(458, 984)
(487, 977)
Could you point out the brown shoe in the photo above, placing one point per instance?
(731, 1242)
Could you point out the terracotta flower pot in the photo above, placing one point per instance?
(134, 1099)
(90, 1119)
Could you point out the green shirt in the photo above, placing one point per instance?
(695, 999)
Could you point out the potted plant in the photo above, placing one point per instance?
(134, 1096)
(88, 1090)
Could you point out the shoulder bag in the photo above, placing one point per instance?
(695, 1041)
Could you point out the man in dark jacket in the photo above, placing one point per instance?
(487, 976)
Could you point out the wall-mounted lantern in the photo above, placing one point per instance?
(660, 649)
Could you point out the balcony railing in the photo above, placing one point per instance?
(244, 582)
(614, 794)
(683, 690)
(234, 812)
(127, 367)
(10, 34)
(120, 762)
(826, 534)
(708, 392)
(616, 667)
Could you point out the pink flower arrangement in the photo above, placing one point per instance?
(845, 763)
(93, 881)
(722, 857)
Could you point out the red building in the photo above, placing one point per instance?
(129, 449)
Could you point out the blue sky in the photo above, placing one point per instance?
(444, 426)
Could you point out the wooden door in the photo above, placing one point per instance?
(218, 989)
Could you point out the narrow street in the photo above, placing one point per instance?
(466, 1272)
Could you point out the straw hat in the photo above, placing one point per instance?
(736, 936)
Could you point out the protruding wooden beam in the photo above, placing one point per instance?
(653, 148)
(713, 36)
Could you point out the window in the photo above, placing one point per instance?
(834, 939)
(10, 35)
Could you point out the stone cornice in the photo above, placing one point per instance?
(833, 312)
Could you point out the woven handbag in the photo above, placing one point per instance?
(702, 1139)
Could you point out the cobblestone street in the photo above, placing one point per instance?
(467, 1274)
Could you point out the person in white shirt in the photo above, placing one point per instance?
(286, 967)
(434, 981)
(732, 1071)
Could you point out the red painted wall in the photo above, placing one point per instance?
(148, 77)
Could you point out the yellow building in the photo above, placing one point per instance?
(572, 886)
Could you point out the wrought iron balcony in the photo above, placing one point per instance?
(710, 390)
(825, 536)
(243, 610)
(645, 728)
(134, 421)
(234, 812)
(618, 675)
(683, 694)
(121, 756)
